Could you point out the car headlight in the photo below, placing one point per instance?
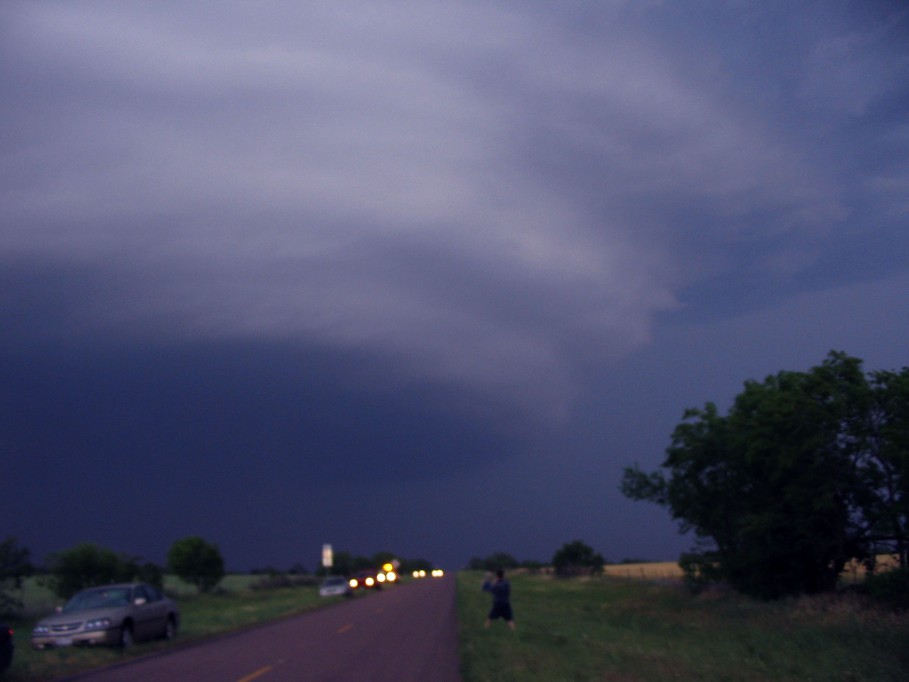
(381, 577)
(370, 582)
(97, 624)
(353, 583)
(391, 576)
(41, 630)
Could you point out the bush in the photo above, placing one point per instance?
(14, 567)
(577, 558)
(890, 588)
(87, 565)
(197, 562)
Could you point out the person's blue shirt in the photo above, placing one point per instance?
(501, 590)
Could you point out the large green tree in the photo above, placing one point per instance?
(197, 562)
(805, 472)
(885, 463)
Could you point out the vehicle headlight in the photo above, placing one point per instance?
(381, 577)
(97, 624)
(41, 630)
(391, 576)
(370, 582)
(353, 583)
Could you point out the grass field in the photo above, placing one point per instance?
(632, 630)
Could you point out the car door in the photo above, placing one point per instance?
(149, 612)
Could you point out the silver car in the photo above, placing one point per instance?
(112, 615)
(335, 586)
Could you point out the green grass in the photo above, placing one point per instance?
(627, 630)
(233, 607)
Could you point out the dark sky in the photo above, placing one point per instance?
(423, 277)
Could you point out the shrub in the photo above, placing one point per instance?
(87, 565)
(197, 562)
(890, 588)
(14, 567)
(577, 558)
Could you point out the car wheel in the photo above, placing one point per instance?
(126, 636)
(170, 629)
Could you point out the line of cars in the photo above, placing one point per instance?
(435, 573)
(337, 585)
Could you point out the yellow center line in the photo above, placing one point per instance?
(258, 673)
(347, 627)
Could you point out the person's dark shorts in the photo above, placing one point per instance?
(502, 610)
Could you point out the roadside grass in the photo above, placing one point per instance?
(233, 607)
(617, 629)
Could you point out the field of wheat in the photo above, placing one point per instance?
(645, 571)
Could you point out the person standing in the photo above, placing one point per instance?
(501, 599)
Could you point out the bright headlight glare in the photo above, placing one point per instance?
(381, 577)
(353, 582)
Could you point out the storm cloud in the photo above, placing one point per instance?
(454, 261)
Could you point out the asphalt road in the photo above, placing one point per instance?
(406, 632)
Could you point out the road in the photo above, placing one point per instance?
(406, 632)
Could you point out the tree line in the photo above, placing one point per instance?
(86, 564)
(806, 472)
(192, 559)
(572, 558)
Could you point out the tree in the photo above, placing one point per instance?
(886, 464)
(14, 567)
(87, 565)
(576, 558)
(197, 562)
(806, 471)
(493, 562)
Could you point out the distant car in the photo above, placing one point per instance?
(335, 586)
(113, 615)
(365, 579)
(438, 573)
(6, 646)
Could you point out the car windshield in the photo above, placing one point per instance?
(98, 598)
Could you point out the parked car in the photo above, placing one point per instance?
(334, 586)
(111, 615)
(365, 579)
(6, 646)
